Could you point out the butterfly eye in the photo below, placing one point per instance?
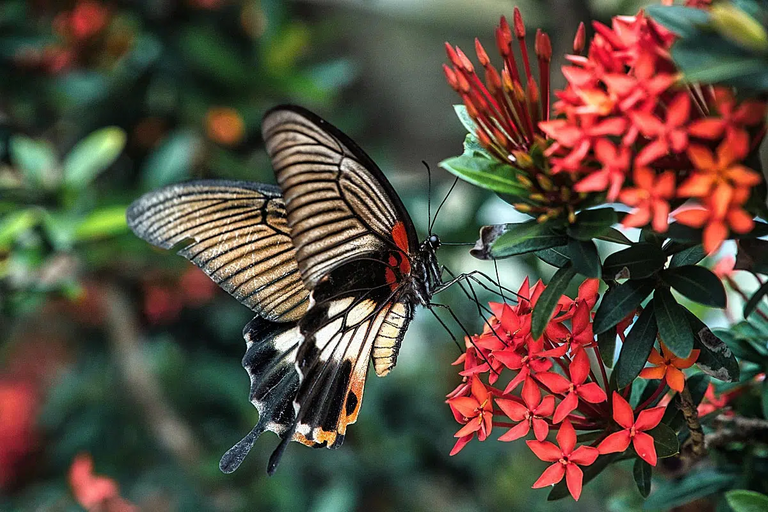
(434, 240)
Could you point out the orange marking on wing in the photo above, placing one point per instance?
(400, 236)
(391, 278)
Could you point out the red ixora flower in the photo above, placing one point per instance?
(668, 367)
(566, 460)
(633, 431)
(531, 414)
(475, 411)
(95, 493)
(575, 389)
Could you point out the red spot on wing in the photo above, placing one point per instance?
(400, 235)
(391, 278)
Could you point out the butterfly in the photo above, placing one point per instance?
(329, 261)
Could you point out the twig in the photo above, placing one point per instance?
(169, 430)
(695, 444)
(737, 429)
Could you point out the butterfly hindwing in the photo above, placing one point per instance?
(340, 206)
(237, 232)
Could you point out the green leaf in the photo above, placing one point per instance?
(755, 299)
(214, 56)
(36, 159)
(16, 223)
(560, 490)
(640, 261)
(485, 173)
(752, 255)
(697, 385)
(92, 155)
(665, 441)
(172, 161)
(549, 299)
(707, 57)
(636, 348)
(465, 118)
(746, 501)
(505, 240)
(695, 485)
(473, 148)
(592, 223)
(689, 256)
(642, 471)
(683, 21)
(674, 330)
(696, 283)
(715, 358)
(606, 344)
(620, 301)
(682, 233)
(586, 260)
(101, 223)
(555, 256)
(615, 236)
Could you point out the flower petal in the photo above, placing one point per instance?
(592, 393)
(514, 410)
(569, 403)
(556, 383)
(649, 418)
(540, 429)
(584, 455)
(546, 451)
(643, 444)
(622, 411)
(617, 442)
(579, 368)
(550, 476)
(566, 437)
(460, 444)
(516, 432)
(573, 478)
(675, 379)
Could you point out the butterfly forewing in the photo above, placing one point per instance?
(340, 207)
(237, 233)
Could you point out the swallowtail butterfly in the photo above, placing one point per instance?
(329, 261)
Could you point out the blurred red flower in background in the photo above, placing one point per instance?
(19, 403)
(95, 493)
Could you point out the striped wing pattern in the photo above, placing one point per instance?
(337, 208)
(237, 232)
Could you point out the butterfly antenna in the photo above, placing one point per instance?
(437, 212)
(429, 197)
(498, 281)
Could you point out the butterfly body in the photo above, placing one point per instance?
(329, 261)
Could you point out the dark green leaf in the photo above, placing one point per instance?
(215, 57)
(695, 485)
(585, 258)
(683, 21)
(548, 300)
(505, 240)
(606, 344)
(615, 236)
(752, 255)
(636, 348)
(92, 155)
(485, 173)
(755, 299)
(642, 471)
(650, 236)
(746, 501)
(555, 256)
(696, 283)
(741, 346)
(682, 233)
(715, 359)
(697, 385)
(592, 223)
(764, 398)
(665, 440)
(637, 262)
(620, 301)
(560, 490)
(674, 330)
(172, 161)
(689, 256)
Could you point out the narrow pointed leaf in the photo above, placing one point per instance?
(636, 348)
(555, 256)
(618, 302)
(665, 441)
(615, 236)
(548, 300)
(753, 256)
(674, 330)
(689, 256)
(92, 155)
(715, 358)
(505, 240)
(742, 500)
(585, 258)
(696, 283)
(606, 344)
(592, 223)
(485, 173)
(755, 299)
(642, 471)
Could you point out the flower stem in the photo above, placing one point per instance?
(654, 396)
(696, 442)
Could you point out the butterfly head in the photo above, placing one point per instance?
(432, 243)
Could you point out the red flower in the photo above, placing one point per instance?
(475, 411)
(95, 493)
(731, 119)
(616, 162)
(566, 460)
(633, 431)
(668, 367)
(18, 432)
(575, 389)
(650, 198)
(670, 135)
(530, 415)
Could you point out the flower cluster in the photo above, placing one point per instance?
(626, 128)
(93, 492)
(557, 382)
